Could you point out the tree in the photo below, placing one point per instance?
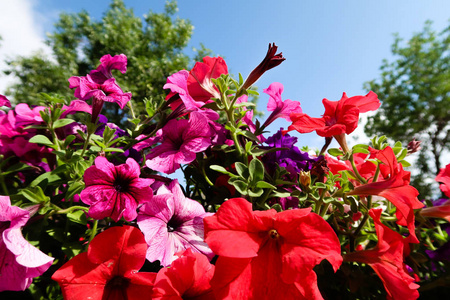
(154, 46)
(415, 94)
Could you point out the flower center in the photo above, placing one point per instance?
(273, 234)
(118, 283)
(121, 184)
(173, 224)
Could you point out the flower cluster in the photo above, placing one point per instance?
(88, 210)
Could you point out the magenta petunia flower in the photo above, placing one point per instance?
(172, 223)
(4, 101)
(177, 83)
(100, 85)
(278, 107)
(182, 139)
(20, 261)
(109, 63)
(115, 191)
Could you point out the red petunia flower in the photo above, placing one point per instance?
(340, 116)
(188, 278)
(444, 178)
(438, 211)
(394, 188)
(386, 259)
(109, 269)
(268, 255)
(199, 83)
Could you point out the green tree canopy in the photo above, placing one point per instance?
(153, 44)
(415, 94)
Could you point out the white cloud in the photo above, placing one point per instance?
(22, 32)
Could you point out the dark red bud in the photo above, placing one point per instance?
(270, 61)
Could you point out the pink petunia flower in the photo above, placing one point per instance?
(115, 191)
(100, 85)
(20, 261)
(177, 83)
(108, 91)
(182, 140)
(109, 63)
(278, 107)
(4, 101)
(172, 223)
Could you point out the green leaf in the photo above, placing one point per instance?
(242, 170)
(16, 168)
(62, 122)
(256, 192)
(240, 186)
(247, 134)
(222, 170)
(256, 169)
(118, 150)
(335, 152)
(41, 139)
(265, 185)
(77, 216)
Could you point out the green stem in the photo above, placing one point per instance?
(93, 231)
(3, 184)
(355, 171)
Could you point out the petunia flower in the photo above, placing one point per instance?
(177, 83)
(439, 210)
(172, 223)
(115, 191)
(182, 140)
(20, 261)
(293, 159)
(100, 85)
(268, 255)
(108, 91)
(278, 107)
(4, 101)
(109, 269)
(444, 178)
(188, 277)
(199, 83)
(395, 188)
(109, 63)
(340, 117)
(271, 60)
(386, 259)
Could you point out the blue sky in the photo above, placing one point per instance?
(330, 46)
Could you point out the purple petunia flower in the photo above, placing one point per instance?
(20, 261)
(293, 159)
(182, 140)
(115, 191)
(172, 223)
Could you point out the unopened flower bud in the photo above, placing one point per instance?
(305, 178)
(270, 61)
(413, 146)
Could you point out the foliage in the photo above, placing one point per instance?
(154, 46)
(415, 93)
(255, 217)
